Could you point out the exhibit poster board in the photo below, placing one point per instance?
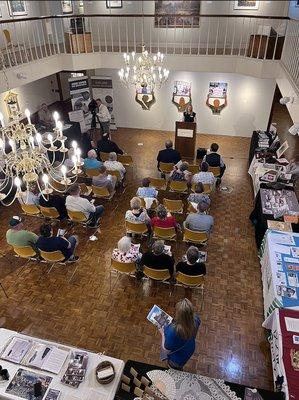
(181, 95)
(102, 88)
(145, 96)
(217, 97)
(80, 98)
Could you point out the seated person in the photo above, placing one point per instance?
(113, 165)
(204, 176)
(30, 196)
(91, 161)
(149, 194)
(48, 242)
(56, 201)
(168, 155)
(214, 159)
(45, 116)
(190, 264)
(17, 236)
(157, 258)
(200, 221)
(76, 203)
(126, 251)
(163, 219)
(107, 146)
(137, 213)
(180, 173)
(104, 180)
(68, 162)
(199, 196)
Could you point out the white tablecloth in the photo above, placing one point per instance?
(89, 389)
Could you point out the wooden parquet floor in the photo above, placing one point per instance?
(231, 341)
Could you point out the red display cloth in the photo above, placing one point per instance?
(292, 376)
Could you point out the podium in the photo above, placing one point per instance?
(185, 138)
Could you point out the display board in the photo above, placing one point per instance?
(80, 98)
(102, 88)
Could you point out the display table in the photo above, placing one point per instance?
(281, 343)
(89, 389)
(280, 271)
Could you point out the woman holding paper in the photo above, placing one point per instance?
(178, 338)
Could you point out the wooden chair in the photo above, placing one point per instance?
(50, 212)
(104, 156)
(164, 233)
(90, 172)
(77, 217)
(215, 170)
(193, 168)
(166, 168)
(102, 192)
(30, 209)
(152, 207)
(178, 186)
(125, 159)
(156, 274)
(139, 228)
(85, 190)
(174, 206)
(121, 268)
(158, 183)
(195, 237)
(188, 281)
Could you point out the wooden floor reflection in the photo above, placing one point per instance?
(231, 341)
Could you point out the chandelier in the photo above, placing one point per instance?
(143, 71)
(34, 159)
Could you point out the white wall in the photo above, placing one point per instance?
(293, 10)
(249, 104)
(33, 95)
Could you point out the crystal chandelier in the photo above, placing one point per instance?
(33, 159)
(144, 71)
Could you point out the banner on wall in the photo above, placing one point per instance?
(217, 97)
(102, 88)
(145, 96)
(181, 95)
(80, 98)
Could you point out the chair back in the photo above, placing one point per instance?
(76, 216)
(175, 206)
(197, 237)
(59, 187)
(115, 173)
(153, 205)
(158, 183)
(166, 167)
(207, 188)
(191, 209)
(30, 209)
(99, 191)
(164, 233)
(90, 172)
(197, 280)
(125, 159)
(193, 168)
(178, 186)
(24, 251)
(49, 212)
(215, 170)
(7, 36)
(104, 156)
(84, 189)
(124, 268)
(52, 256)
(156, 274)
(136, 227)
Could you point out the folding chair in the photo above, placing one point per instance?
(174, 206)
(57, 186)
(178, 186)
(164, 233)
(166, 168)
(104, 156)
(193, 168)
(207, 188)
(215, 170)
(195, 237)
(158, 183)
(90, 172)
(102, 193)
(121, 268)
(191, 209)
(31, 209)
(139, 228)
(50, 212)
(77, 217)
(152, 207)
(188, 281)
(125, 159)
(115, 173)
(85, 190)
(56, 257)
(26, 252)
(157, 274)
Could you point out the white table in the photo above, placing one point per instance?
(89, 389)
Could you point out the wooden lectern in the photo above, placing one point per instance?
(185, 138)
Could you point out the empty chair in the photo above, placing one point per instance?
(30, 209)
(196, 237)
(215, 170)
(164, 233)
(102, 192)
(104, 156)
(178, 186)
(174, 206)
(156, 274)
(158, 183)
(125, 159)
(85, 190)
(166, 168)
(57, 186)
(49, 212)
(139, 228)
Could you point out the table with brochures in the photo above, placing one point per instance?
(58, 359)
(279, 256)
(284, 344)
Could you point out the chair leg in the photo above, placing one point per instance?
(3, 290)
(202, 298)
(75, 270)
(50, 269)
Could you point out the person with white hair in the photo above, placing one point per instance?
(137, 213)
(126, 251)
(113, 165)
(91, 162)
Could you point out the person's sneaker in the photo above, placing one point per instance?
(73, 259)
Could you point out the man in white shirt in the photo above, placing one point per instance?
(103, 116)
(76, 203)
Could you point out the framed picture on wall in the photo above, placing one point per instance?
(17, 7)
(177, 8)
(67, 7)
(246, 5)
(114, 4)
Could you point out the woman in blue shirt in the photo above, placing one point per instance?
(178, 338)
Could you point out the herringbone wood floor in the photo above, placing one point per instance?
(231, 340)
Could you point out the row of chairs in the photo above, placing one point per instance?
(166, 168)
(176, 186)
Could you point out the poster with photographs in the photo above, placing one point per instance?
(80, 98)
(17, 7)
(187, 14)
(102, 88)
(181, 95)
(217, 97)
(67, 7)
(246, 5)
(24, 382)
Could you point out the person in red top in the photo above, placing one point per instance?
(163, 219)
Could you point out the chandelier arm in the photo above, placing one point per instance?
(7, 205)
(4, 183)
(41, 192)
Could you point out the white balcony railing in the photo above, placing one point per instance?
(290, 55)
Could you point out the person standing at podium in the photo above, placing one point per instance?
(189, 114)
